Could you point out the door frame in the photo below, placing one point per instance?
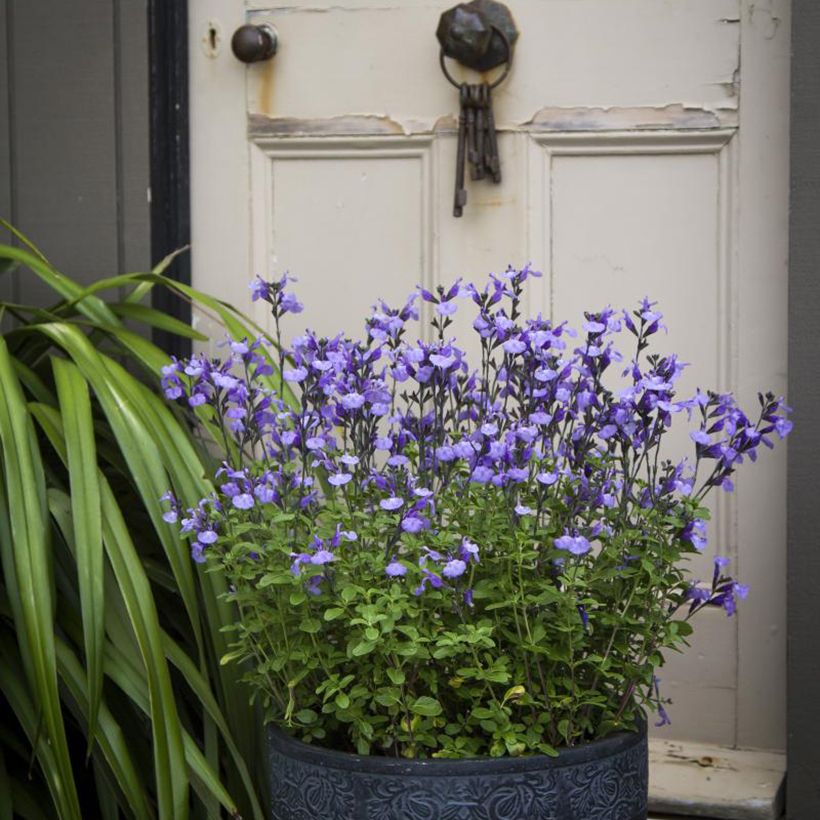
(170, 158)
(803, 558)
(170, 229)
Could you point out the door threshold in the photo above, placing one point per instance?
(715, 782)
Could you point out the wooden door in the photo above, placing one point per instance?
(644, 151)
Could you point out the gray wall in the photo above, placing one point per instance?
(74, 171)
(803, 783)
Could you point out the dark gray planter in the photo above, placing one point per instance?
(603, 780)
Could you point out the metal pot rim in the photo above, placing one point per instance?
(594, 750)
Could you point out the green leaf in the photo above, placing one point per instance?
(121, 403)
(133, 585)
(111, 738)
(156, 318)
(29, 553)
(333, 613)
(81, 457)
(90, 306)
(363, 648)
(395, 675)
(426, 706)
(16, 690)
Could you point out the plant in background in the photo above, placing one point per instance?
(114, 701)
(433, 558)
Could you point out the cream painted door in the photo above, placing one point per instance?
(644, 152)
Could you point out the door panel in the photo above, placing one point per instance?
(359, 229)
(641, 157)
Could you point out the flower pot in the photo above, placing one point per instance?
(602, 780)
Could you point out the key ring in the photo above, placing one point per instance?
(498, 80)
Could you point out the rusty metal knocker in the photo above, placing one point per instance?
(501, 77)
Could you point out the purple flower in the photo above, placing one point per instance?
(339, 479)
(206, 536)
(297, 374)
(352, 401)
(290, 304)
(481, 475)
(242, 501)
(454, 568)
(664, 717)
(171, 515)
(700, 437)
(514, 346)
(783, 427)
(429, 578)
(392, 503)
(577, 545)
(523, 509)
(321, 557)
(414, 523)
(259, 289)
(695, 533)
(468, 550)
(547, 478)
(198, 552)
(395, 569)
(442, 361)
(298, 559)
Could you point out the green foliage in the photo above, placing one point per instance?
(372, 666)
(110, 639)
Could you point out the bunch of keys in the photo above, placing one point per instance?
(477, 141)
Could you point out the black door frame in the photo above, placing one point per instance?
(170, 157)
(171, 229)
(803, 575)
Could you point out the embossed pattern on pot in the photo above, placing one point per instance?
(603, 780)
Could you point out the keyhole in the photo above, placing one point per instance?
(212, 38)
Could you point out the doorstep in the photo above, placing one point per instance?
(715, 782)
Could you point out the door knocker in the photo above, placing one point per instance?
(480, 35)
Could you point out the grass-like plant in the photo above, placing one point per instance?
(110, 638)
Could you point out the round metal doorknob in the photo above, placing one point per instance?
(252, 44)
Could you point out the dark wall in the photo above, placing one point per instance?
(803, 780)
(74, 150)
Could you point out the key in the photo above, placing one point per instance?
(495, 162)
(477, 100)
(460, 199)
(472, 145)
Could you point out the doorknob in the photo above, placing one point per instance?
(253, 44)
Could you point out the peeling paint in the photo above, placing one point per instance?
(677, 116)
(347, 125)
(715, 781)
(321, 9)
(764, 19)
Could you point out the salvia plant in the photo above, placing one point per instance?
(433, 558)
